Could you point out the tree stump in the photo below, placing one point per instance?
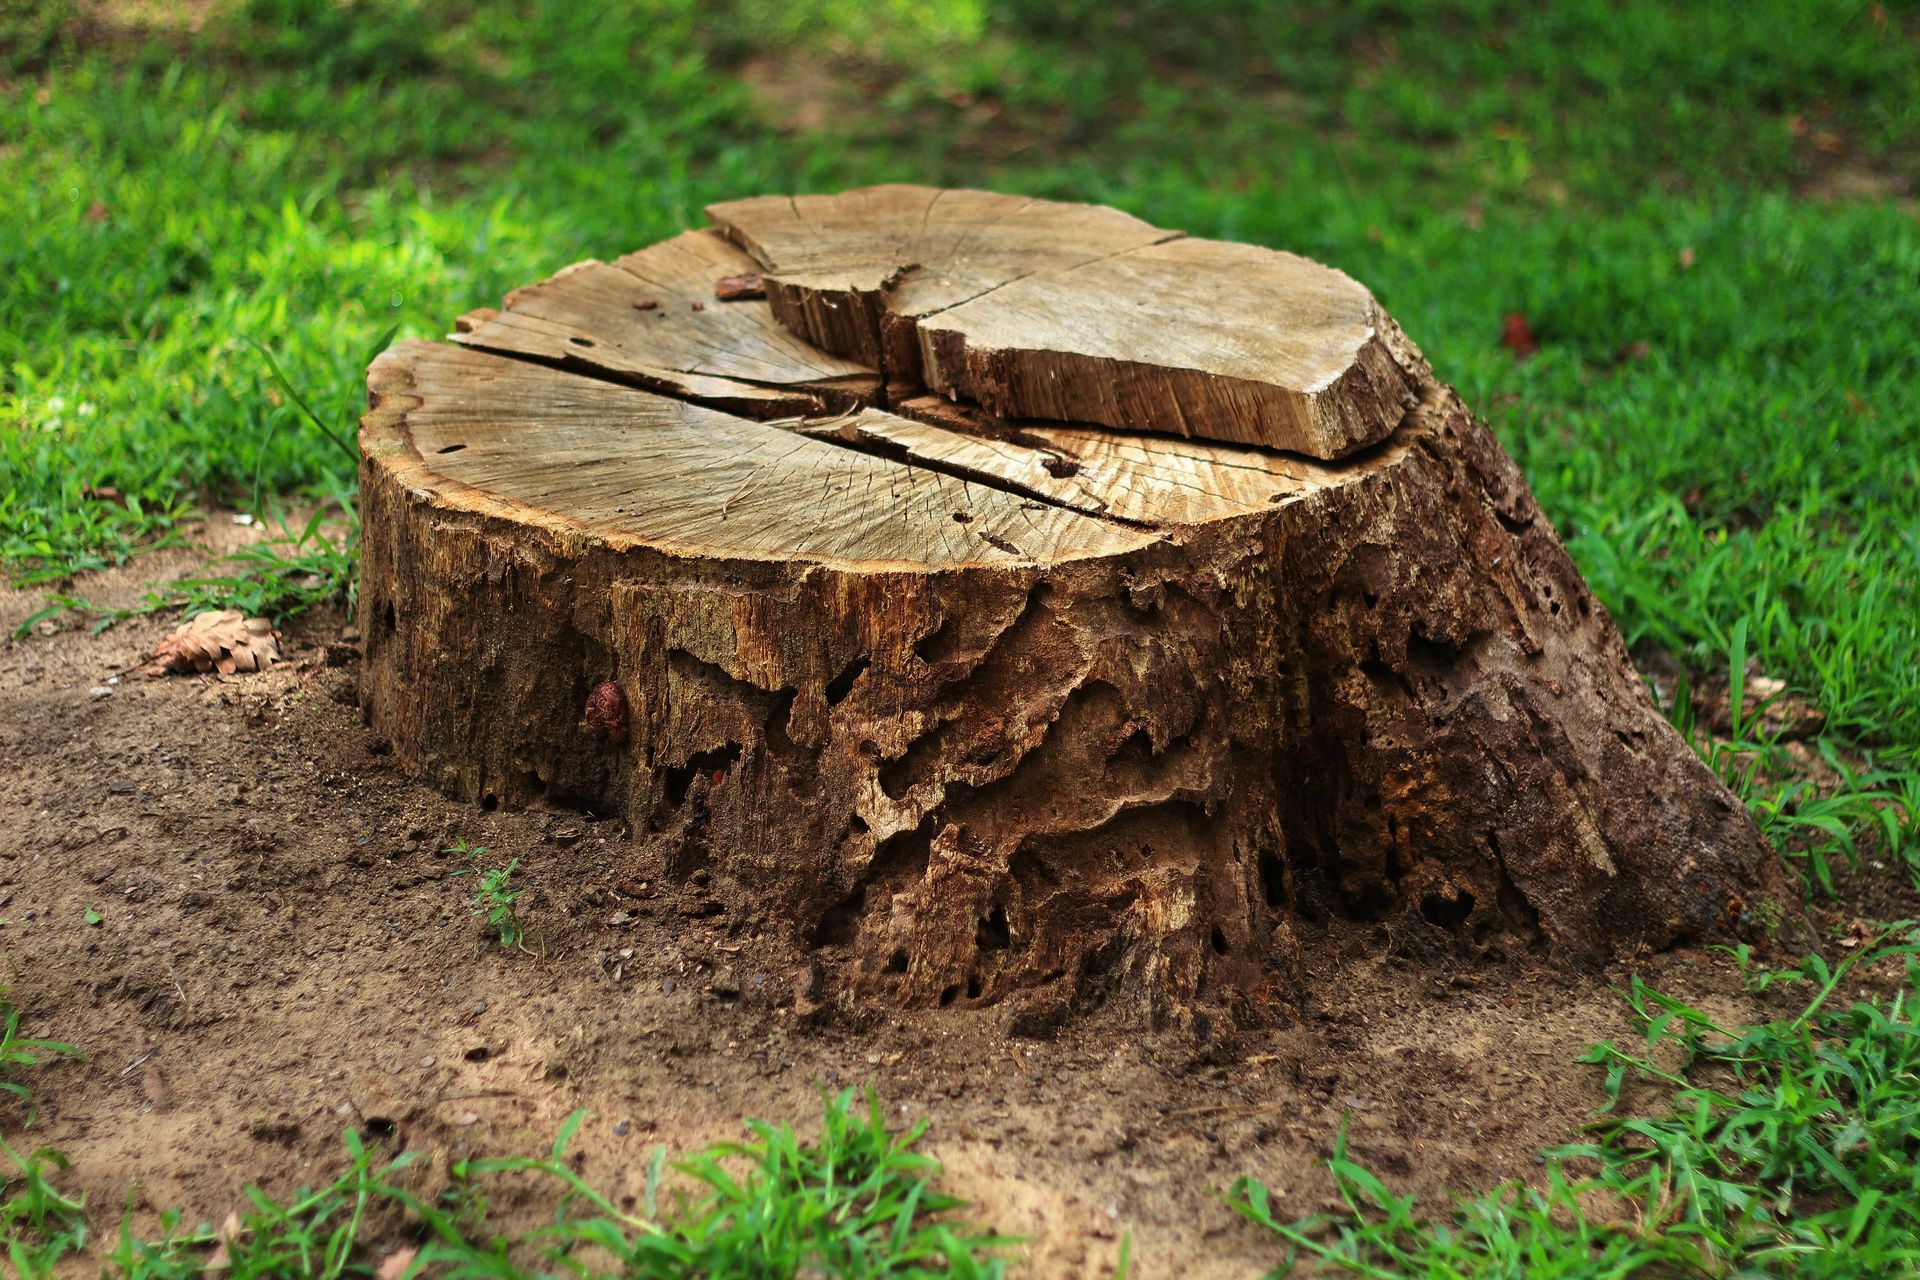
(1009, 601)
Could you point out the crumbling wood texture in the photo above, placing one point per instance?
(977, 709)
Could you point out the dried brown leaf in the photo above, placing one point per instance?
(154, 1086)
(222, 1258)
(217, 640)
(396, 1264)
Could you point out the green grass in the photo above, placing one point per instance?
(18, 1051)
(1704, 211)
(1730, 439)
(39, 1223)
(860, 1203)
(1787, 1149)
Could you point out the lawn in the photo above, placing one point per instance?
(1704, 216)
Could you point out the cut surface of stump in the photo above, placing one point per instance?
(1032, 308)
(978, 708)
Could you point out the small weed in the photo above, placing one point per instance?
(40, 1223)
(18, 1051)
(494, 898)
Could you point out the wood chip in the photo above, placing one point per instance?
(736, 288)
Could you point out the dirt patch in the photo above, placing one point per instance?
(282, 953)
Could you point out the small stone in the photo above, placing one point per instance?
(725, 984)
(620, 1130)
(121, 786)
(99, 692)
(619, 918)
(428, 1061)
(666, 986)
(480, 1006)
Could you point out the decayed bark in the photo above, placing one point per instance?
(982, 711)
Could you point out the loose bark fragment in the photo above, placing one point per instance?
(736, 288)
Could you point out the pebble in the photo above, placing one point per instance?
(98, 692)
(427, 1061)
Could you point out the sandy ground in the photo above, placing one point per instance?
(282, 953)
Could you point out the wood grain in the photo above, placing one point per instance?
(1081, 313)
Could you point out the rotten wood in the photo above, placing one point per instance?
(974, 709)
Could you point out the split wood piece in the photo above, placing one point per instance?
(653, 319)
(1033, 714)
(851, 273)
(576, 458)
(1033, 308)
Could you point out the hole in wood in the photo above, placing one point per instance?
(1273, 880)
(842, 685)
(994, 933)
(1448, 911)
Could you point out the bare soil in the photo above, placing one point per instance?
(282, 953)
